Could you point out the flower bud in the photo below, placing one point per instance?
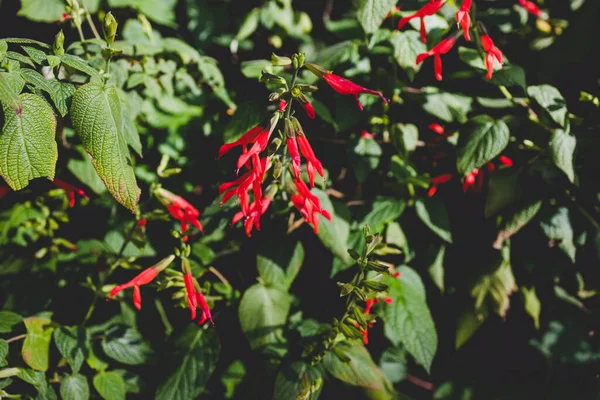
(354, 254)
(317, 70)
(279, 60)
(110, 28)
(270, 78)
(59, 41)
(307, 88)
(374, 285)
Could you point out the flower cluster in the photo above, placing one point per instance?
(256, 159)
(180, 209)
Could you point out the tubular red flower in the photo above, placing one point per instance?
(438, 180)
(310, 110)
(493, 53)
(180, 209)
(533, 9)
(241, 186)
(313, 165)
(470, 179)
(204, 308)
(442, 48)
(428, 9)
(255, 211)
(463, 18)
(70, 190)
(506, 161)
(437, 128)
(292, 147)
(345, 87)
(246, 139)
(282, 105)
(191, 293)
(309, 205)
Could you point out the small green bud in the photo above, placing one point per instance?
(370, 238)
(346, 288)
(58, 46)
(110, 28)
(146, 25)
(270, 78)
(378, 266)
(279, 60)
(374, 285)
(354, 254)
(301, 58)
(177, 252)
(307, 88)
(366, 230)
(317, 70)
(296, 91)
(295, 61)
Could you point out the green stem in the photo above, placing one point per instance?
(90, 22)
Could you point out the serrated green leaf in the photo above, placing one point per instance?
(371, 13)
(20, 58)
(9, 320)
(73, 343)
(263, 312)
(194, 356)
(79, 64)
(3, 353)
(446, 106)
(279, 262)
(407, 46)
(110, 386)
(407, 319)
(562, 150)
(27, 146)
(434, 214)
(232, 377)
(74, 387)
(364, 155)
(36, 346)
(557, 227)
(480, 141)
(61, 95)
(35, 54)
(26, 41)
(497, 286)
(8, 95)
(468, 323)
(382, 211)
(513, 223)
(126, 345)
(85, 172)
(42, 10)
(360, 371)
(393, 364)
(550, 99)
(294, 378)
(39, 382)
(436, 266)
(97, 117)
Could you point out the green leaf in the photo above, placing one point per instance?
(333, 234)
(279, 262)
(407, 319)
(79, 64)
(35, 54)
(126, 345)
(110, 386)
(513, 223)
(36, 79)
(249, 25)
(295, 378)
(562, 150)
(233, 376)
(132, 136)
(480, 141)
(39, 381)
(3, 353)
(550, 100)
(36, 347)
(85, 172)
(364, 157)
(393, 364)
(436, 266)
(383, 210)
(8, 321)
(263, 312)
(434, 214)
(61, 95)
(360, 371)
(42, 10)
(27, 146)
(557, 227)
(371, 13)
(503, 190)
(407, 46)
(8, 96)
(532, 305)
(405, 137)
(73, 342)
(497, 285)
(75, 387)
(193, 358)
(468, 323)
(510, 75)
(446, 106)
(97, 117)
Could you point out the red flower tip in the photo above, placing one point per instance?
(366, 135)
(432, 7)
(345, 87)
(493, 53)
(396, 274)
(282, 105)
(388, 300)
(201, 301)
(441, 48)
(309, 205)
(188, 280)
(437, 128)
(463, 18)
(180, 209)
(533, 9)
(292, 147)
(70, 191)
(310, 110)
(313, 165)
(506, 161)
(246, 139)
(142, 222)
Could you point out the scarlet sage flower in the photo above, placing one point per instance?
(506, 161)
(428, 9)
(241, 186)
(310, 110)
(493, 53)
(366, 135)
(313, 165)
(201, 301)
(191, 293)
(463, 18)
(282, 105)
(292, 147)
(143, 278)
(345, 87)
(437, 128)
(470, 179)
(180, 209)
(442, 48)
(70, 190)
(533, 9)
(309, 205)
(255, 211)
(248, 138)
(436, 181)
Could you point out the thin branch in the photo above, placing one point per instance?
(90, 21)
(15, 338)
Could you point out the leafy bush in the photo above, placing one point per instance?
(414, 212)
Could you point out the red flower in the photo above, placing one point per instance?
(470, 179)
(506, 161)
(310, 110)
(442, 48)
(70, 190)
(292, 146)
(463, 18)
(242, 185)
(63, 18)
(533, 9)
(180, 209)
(142, 223)
(437, 128)
(366, 135)
(255, 210)
(428, 9)
(309, 205)
(143, 278)
(282, 105)
(438, 180)
(344, 86)
(188, 279)
(201, 301)
(313, 165)
(492, 53)
(257, 136)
